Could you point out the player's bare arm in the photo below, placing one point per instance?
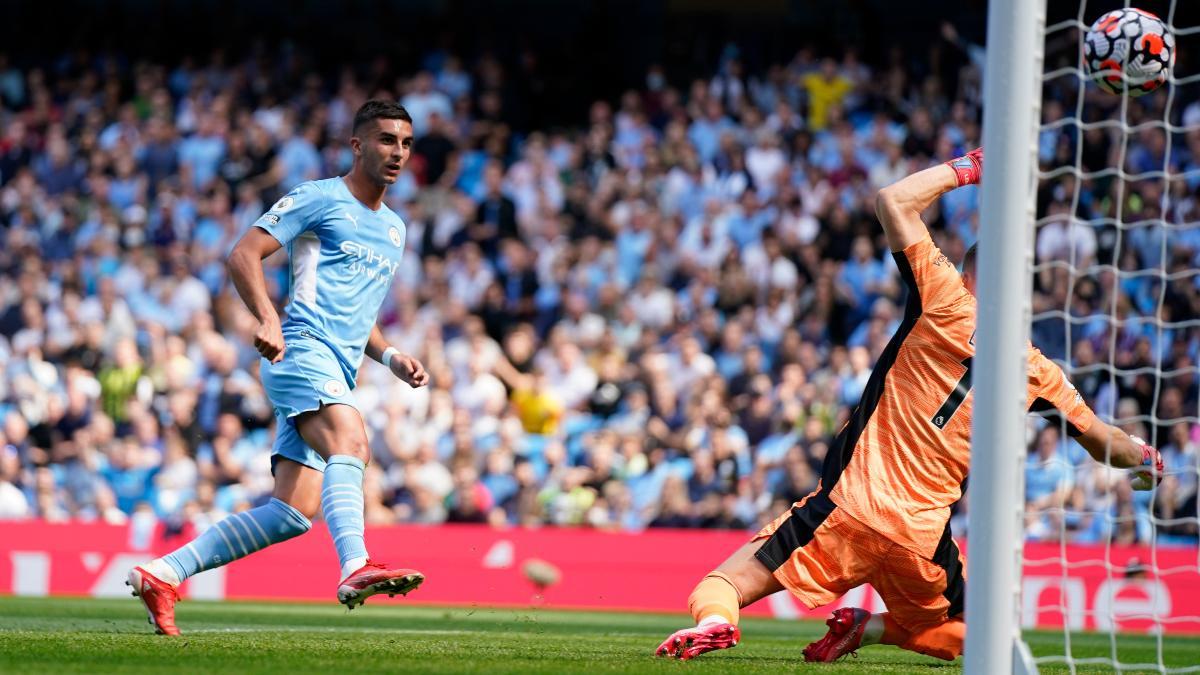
(246, 270)
(508, 373)
(899, 206)
(1106, 443)
(1109, 444)
(403, 366)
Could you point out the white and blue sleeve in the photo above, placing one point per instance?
(293, 214)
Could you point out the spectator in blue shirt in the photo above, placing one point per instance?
(1048, 480)
(705, 133)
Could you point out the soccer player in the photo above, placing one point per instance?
(344, 245)
(880, 512)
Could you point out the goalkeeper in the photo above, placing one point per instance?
(881, 510)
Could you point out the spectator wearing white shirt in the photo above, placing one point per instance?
(469, 276)
(893, 167)
(480, 390)
(1061, 238)
(13, 504)
(690, 366)
(422, 100)
(775, 317)
(653, 305)
(569, 377)
(583, 327)
(768, 268)
(764, 162)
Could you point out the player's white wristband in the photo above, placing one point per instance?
(388, 353)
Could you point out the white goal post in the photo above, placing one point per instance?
(1117, 266)
(1011, 113)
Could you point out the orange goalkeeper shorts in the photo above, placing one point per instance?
(818, 552)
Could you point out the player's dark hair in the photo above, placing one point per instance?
(379, 109)
(968, 266)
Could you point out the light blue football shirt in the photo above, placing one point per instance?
(342, 257)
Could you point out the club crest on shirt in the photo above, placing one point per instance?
(283, 204)
(394, 234)
(335, 388)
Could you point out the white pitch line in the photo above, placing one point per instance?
(348, 629)
(328, 629)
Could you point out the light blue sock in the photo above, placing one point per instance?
(238, 536)
(342, 504)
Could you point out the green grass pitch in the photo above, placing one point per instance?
(77, 635)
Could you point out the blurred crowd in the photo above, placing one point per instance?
(659, 317)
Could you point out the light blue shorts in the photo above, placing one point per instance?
(308, 377)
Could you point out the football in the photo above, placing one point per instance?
(541, 573)
(1129, 51)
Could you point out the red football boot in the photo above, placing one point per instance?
(159, 598)
(968, 169)
(375, 577)
(692, 642)
(846, 629)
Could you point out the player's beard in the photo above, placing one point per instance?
(378, 173)
(381, 172)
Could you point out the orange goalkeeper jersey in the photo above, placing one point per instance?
(899, 463)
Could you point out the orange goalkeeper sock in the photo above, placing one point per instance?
(715, 595)
(944, 641)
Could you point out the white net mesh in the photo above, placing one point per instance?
(1116, 303)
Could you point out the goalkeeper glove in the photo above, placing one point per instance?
(968, 169)
(1150, 473)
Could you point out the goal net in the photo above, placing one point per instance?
(1112, 293)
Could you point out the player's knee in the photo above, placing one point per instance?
(308, 507)
(944, 641)
(290, 521)
(356, 448)
(295, 528)
(943, 653)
